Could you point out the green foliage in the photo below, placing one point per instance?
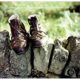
(54, 16)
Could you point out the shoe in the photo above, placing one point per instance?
(19, 38)
(37, 34)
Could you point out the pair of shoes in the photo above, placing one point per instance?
(20, 37)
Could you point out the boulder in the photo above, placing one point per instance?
(20, 64)
(42, 55)
(51, 75)
(73, 67)
(70, 43)
(4, 55)
(59, 58)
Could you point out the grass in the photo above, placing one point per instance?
(54, 16)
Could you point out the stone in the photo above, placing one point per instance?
(4, 55)
(51, 75)
(70, 43)
(11, 64)
(42, 55)
(73, 67)
(59, 58)
(37, 74)
(20, 64)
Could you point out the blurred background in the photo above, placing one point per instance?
(59, 19)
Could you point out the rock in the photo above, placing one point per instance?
(20, 64)
(42, 55)
(59, 58)
(11, 64)
(73, 67)
(37, 74)
(51, 75)
(4, 54)
(70, 43)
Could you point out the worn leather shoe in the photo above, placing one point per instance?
(38, 36)
(19, 38)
